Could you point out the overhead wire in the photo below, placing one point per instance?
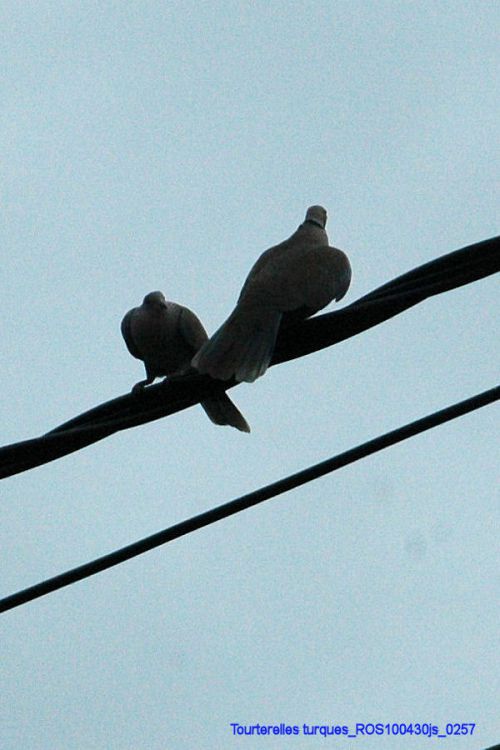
(247, 501)
(442, 274)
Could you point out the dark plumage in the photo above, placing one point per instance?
(291, 280)
(165, 336)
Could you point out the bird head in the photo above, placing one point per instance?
(155, 300)
(316, 215)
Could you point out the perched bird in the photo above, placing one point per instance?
(289, 282)
(165, 336)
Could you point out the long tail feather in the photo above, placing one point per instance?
(222, 411)
(242, 346)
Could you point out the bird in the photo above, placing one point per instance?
(288, 282)
(165, 336)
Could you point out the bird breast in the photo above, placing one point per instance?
(160, 342)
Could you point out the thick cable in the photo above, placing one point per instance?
(435, 277)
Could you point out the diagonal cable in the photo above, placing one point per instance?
(249, 500)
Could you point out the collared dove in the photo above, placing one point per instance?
(290, 281)
(165, 336)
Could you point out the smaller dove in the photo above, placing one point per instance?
(289, 282)
(166, 336)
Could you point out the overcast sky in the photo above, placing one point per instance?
(165, 145)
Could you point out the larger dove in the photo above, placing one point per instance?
(165, 336)
(290, 281)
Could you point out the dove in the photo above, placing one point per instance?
(165, 336)
(289, 282)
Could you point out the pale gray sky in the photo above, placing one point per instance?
(155, 145)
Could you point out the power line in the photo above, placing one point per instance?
(249, 500)
(440, 275)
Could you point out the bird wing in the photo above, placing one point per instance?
(126, 328)
(191, 328)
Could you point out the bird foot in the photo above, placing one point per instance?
(140, 386)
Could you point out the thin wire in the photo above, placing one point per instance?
(249, 500)
(439, 275)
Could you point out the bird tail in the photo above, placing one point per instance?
(222, 411)
(243, 345)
